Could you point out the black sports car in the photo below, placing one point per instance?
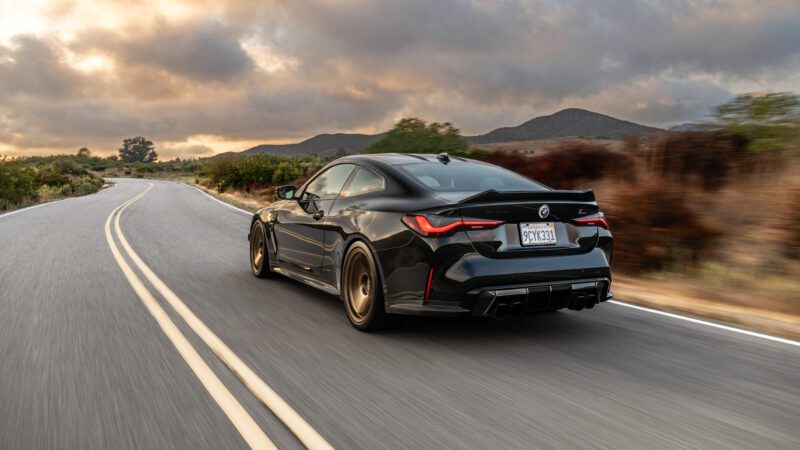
(435, 235)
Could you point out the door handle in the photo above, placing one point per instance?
(318, 215)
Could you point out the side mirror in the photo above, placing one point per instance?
(285, 192)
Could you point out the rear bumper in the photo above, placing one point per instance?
(502, 301)
(470, 284)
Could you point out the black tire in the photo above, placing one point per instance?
(362, 292)
(259, 252)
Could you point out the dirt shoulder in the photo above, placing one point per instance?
(684, 298)
(235, 198)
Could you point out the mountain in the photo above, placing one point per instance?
(689, 127)
(319, 145)
(572, 122)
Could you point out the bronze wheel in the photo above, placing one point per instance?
(259, 260)
(361, 290)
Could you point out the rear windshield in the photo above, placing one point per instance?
(440, 177)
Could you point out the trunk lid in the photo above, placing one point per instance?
(537, 210)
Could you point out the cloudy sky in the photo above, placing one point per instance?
(205, 76)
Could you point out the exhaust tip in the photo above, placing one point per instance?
(502, 311)
(577, 302)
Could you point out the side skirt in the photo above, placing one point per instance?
(305, 279)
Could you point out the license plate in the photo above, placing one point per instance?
(538, 233)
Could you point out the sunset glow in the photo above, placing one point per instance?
(89, 73)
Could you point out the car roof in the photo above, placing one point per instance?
(395, 159)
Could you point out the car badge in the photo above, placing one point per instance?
(544, 211)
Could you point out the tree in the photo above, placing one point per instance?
(770, 121)
(84, 152)
(340, 152)
(137, 149)
(413, 135)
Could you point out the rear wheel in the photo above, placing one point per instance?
(259, 255)
(361, 289)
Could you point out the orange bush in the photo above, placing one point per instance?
(702, 158)
(565, 166)
(792, 244)
(654, 229)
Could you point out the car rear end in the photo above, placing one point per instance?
(500, 252)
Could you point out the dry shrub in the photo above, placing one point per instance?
(703, 158)
(792, 243)
(568, 164)
(654, 229)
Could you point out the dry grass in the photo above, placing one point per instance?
(686, 297)
(545, 145)
(246, 201)
(748, 277)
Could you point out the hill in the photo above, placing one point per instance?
(688, 127)
(319, 145)
(572, 122)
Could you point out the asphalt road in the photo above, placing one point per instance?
(85, 365)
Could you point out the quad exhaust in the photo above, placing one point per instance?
(580, 300)
(504, 309)
(504, 303)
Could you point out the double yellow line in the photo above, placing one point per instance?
(244, 423)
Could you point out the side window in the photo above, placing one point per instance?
(364, 182)
(328, 185)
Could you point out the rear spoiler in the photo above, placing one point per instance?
(586, 195)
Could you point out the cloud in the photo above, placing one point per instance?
(274, 71)
(206, 50)
(184, 151)
(32, 66)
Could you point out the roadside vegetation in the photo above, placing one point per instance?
(706, 217)
(706, 222)
(26, 181)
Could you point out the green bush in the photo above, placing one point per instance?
(51, 176)
(86, 185)
(17, 183)
(68, 165)
(258, 171)
(413, 135)
(27, 180)
(46, 193)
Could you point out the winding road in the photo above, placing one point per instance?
(129, 319)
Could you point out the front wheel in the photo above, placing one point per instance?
(259, 253)
(361, 289)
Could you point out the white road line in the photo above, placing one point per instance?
(710, 324)
(304, 432)
(17, 211)
(247, 427)
(223, 203)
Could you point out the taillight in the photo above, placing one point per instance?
(591, 222)
(445, 226)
